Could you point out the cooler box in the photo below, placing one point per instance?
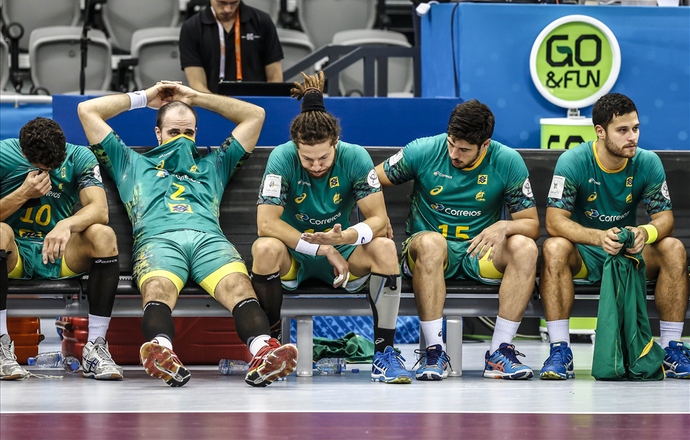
(198, 340)
(26, 334)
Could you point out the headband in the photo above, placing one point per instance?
(313, 101)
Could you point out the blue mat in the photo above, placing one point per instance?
(335, 327)
(13, 118)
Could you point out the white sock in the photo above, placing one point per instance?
(670, 331)
(504, 332)
(164, 341)
(98, 327)
(258, 343)
(433, 332)
(559, 331)
(3, 322)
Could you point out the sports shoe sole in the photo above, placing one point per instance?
(280, 363)
(102, 376)
(158, 362)
(511, 376)
(672, 375)
(382, 378)
(431, 375)
(17, 376)
(552, 375)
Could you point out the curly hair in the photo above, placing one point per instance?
(312, 127)
(472, 122)
(609, 106)
(43, 143)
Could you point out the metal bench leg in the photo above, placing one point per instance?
(285, 329)
(454, 344)
(305, 345)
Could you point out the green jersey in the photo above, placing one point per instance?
(598, 198)
(78, 171)
(315, 205)
(459, 203)
(170, 187)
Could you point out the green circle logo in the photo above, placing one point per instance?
(574, 61)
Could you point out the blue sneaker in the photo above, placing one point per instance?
(389, 367)
(503, 364)
(434, 363)
(677, 360)
(559, 365)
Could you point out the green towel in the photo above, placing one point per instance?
(352, 347)
(624, 347)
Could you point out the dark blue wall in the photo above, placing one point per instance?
(492, 49)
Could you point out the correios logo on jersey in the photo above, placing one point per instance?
(594, 214)
(574, 61)
(313, 221)
(455, 212)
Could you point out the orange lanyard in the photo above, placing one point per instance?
(238, 55)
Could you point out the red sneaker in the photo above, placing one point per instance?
(162, 362)
(272, 362)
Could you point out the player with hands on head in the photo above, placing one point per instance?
(43, 178)
(310, 187)
(596, 189)
(172, 196)
(455, 229)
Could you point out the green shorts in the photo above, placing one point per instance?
(305, 267)
(460, 266)
(593, 258)
(173, 255)
(30, 264)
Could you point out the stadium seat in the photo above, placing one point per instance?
(55, 54)
(34, 14)
(400, 70)
(123, 17)
(321, 19)
(296, 45)
(271, 7)
(158, 53)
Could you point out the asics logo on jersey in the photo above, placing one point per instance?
(628, 181)
(592, 197)
(440, 174)
(591, 180)
(301, 198)
(302, 217)
(436, 190)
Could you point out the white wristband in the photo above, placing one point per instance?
(137, 99)
(364, 233)
(304, 247)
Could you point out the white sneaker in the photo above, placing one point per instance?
(97, 363)
(9, 368)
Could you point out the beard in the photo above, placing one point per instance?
(617, 151)
(461, 165)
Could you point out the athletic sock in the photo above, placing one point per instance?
(102, 285)
(670, 331)
(433, 332)
(384, 298)
(98, 327)
(504, 332)
(559, 331)
(4, 288)
(157, 321)
(269, 292)
(250, 320)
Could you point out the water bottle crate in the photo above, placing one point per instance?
(198, 340)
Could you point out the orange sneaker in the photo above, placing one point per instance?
(162, 362)
(272, 362)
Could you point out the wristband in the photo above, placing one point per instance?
(652, 233)
(137, 99)
(364, 233)
(304, 247)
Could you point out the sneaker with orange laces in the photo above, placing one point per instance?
(162, 362)
(272, 362)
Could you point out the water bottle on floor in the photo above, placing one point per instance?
(331, 365)
(230, 366)
(55, 359)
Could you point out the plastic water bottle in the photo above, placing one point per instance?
(230, 366)
(331, 365)
(55, 359)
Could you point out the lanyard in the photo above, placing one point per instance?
(238, 55)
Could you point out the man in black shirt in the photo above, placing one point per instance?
(207, 59)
